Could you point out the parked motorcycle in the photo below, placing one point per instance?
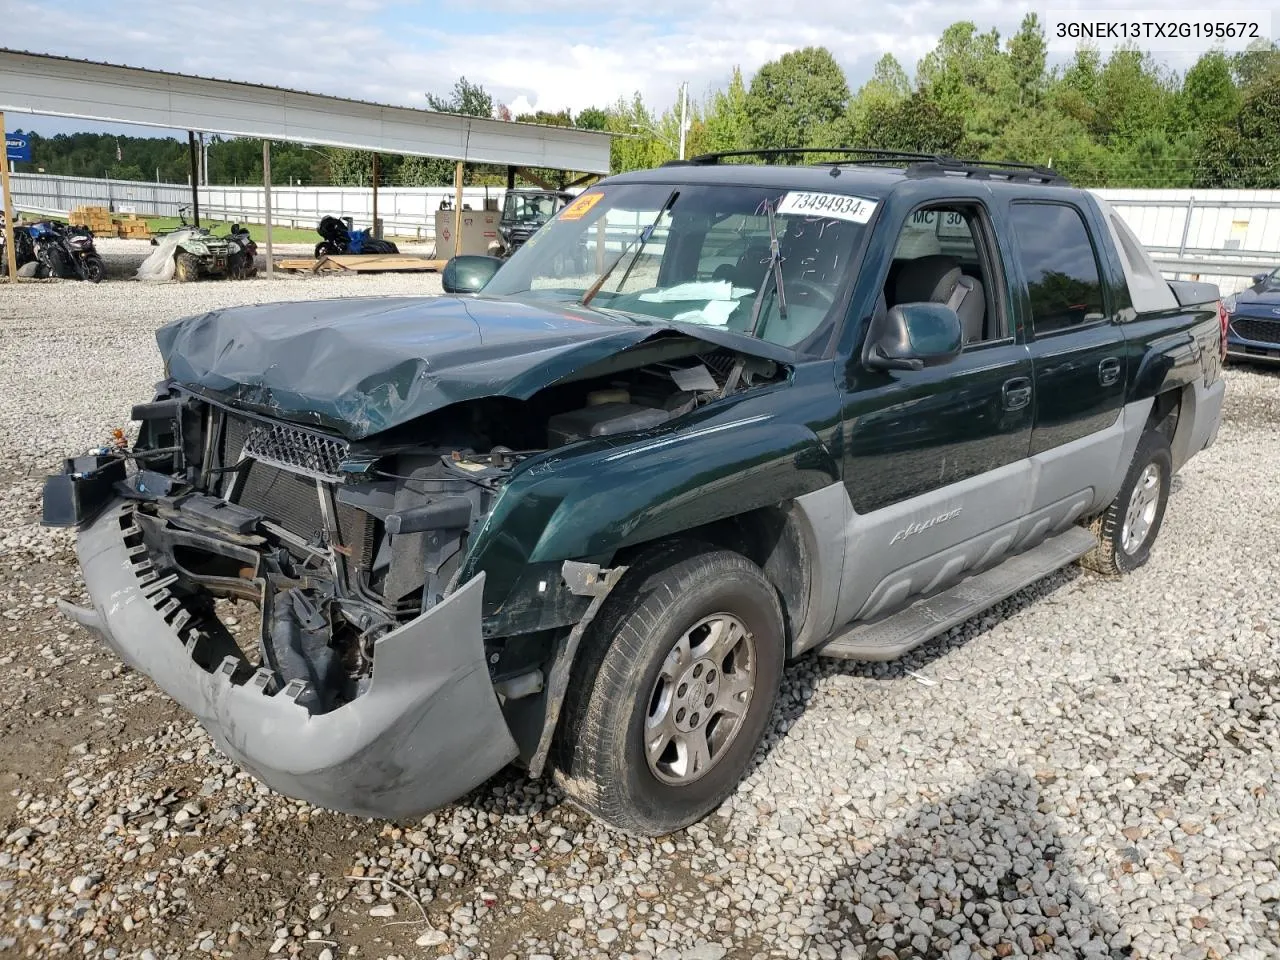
(53, 252)
(80, 240)
(340, 239)
(24, 249)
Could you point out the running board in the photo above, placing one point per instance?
(891, 637)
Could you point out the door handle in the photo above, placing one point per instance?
(1109, 371)
(1016, 393)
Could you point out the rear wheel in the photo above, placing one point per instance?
(1127, 529)
(185, 267)
(673, 690)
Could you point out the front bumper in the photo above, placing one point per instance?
(1244, 347)
(428, 730)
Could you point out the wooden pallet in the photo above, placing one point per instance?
(359, 263)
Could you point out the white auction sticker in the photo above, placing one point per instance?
(838, 206)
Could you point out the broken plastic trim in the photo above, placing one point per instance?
(600, 584)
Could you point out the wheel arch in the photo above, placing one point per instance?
(777, 538)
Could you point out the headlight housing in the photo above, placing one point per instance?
(1229, 303)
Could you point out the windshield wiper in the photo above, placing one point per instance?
(774, 271)
(643, 236)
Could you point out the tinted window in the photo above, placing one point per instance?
(1059, 264)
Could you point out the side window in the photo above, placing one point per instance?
(940, 257)
(1061, 268)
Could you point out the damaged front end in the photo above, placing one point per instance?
(374, 680)
(348, 569)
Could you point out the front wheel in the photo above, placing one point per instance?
(1127, 529)
(185, 267)
(93, 269)
(673, 690)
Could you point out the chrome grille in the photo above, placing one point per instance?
(296, 451)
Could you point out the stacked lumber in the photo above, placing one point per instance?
(366, 263)
(97, 219)
(131, 227)
(128, 226)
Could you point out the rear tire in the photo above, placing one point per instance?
(185, 267)
(1128, 527)
(672, 691)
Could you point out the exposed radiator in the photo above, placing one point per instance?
(279, 480)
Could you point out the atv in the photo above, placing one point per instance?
(204, 254)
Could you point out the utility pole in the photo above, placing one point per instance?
(9, 252)
(194, 176)
(684, 113)
(266, 202)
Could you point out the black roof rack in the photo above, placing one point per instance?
(913, 165)
(872, 155)
(986, 170)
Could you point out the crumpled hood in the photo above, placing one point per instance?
(363, 365)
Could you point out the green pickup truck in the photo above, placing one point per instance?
(577, 514)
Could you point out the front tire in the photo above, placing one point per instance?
(1127, 529)
(93, 269)
(185, 267)
(672, 691)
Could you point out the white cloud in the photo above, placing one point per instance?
(567, 56)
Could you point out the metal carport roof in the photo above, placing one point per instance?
(63, 87)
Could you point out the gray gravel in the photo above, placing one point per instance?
(1090, 770)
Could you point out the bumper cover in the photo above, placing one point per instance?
(428, 730)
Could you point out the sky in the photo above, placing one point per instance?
(548, 55)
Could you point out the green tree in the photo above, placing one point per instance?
(1027, 50)
(1209, 97)
(592, 118)
(637, 148)
(469, 99)
(466, 97)
(968, 76)
(1255, 63)
(727, 121)
(798, 100)
(1245, 153)
(915, 124)
(887, 87)
(1134, 96)
(546, 117)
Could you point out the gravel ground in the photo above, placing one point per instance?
(1089, 770)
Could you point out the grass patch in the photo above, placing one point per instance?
(256, 230)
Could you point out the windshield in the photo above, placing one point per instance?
(699, 254)
(524, 208)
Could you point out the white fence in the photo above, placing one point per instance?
(1188, 231)
(404, 211)
(1197, 232)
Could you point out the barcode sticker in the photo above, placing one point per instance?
(838, 206)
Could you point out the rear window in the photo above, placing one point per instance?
(1059, 264)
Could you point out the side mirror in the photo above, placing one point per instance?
(468, 273)
(912, 336)
(1260, 277)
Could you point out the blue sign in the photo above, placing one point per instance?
(18, 147)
